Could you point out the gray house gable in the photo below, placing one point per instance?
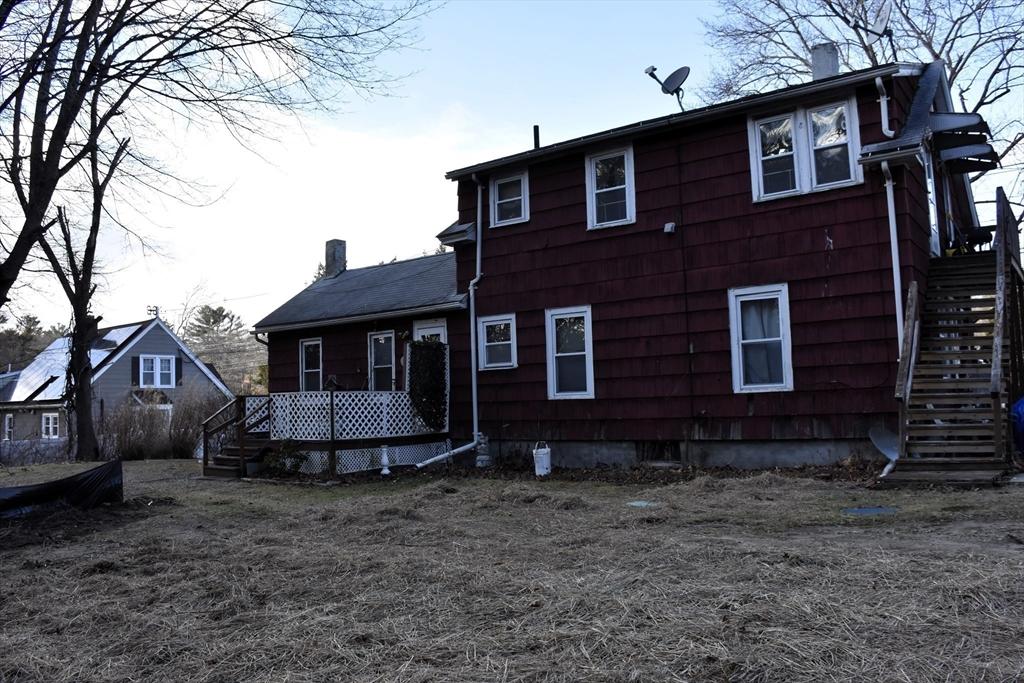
(119, 377)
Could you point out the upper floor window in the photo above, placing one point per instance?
(50, 428)
(761, 344)
(156, 372)
(382, 361)
(9, 427)
(570, 351)
(510, 200)
(311, 365)
(610, 193)
(804, 151)
(497, 338)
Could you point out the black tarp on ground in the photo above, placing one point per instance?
(103, 484)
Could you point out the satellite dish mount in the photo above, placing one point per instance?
(877, 29)
(673, 85)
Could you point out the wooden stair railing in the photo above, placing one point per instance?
(908, 356)
(217, 423)
(1008, 322)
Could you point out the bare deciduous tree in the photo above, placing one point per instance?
(149, 61)
(768, 44)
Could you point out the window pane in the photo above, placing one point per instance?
(510, 189)
(311, 381)
(776, 137)
(829, 126)
(570, 374)
(381, 351)
(778, 175)
(382, 379)
(832, 165)
(760, 319)
(498, 332)
(507, 211)
(166, 364)
(147, 364)
(498, 354)
(610, 172)
(611, 206)
(311, 356)
(569, 335)
(762, 363)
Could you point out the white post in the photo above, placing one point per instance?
(384, 461)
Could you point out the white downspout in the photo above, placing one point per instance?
(479, 442)
(883, 105)
(894, 248)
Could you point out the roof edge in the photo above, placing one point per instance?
(382, 315)
(692, 116)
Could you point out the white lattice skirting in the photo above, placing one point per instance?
(363, 459)
(306, 415)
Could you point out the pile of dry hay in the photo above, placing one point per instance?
(757, 579)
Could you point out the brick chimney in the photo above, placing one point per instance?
(334, 259)
(824, 61)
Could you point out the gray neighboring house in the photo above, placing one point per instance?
(144, 363)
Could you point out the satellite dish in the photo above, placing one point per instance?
(675, 81)
(880, 26)
(673, 85)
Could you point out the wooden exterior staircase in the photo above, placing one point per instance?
(962, 364)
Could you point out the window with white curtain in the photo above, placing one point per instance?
(761, 343)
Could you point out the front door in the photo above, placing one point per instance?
(430, 330)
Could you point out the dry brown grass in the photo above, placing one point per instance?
(744, 579)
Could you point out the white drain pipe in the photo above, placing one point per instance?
(478, 439)
(894, 249)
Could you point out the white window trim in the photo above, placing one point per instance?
(9, 427)
(803, 151)
(781, 292)
(156, 371)
(43, 432)
(549, 329)
(589, 168)
(419, 325)
(369, 359)
(524, 179)
(303, 343)
(481, 328)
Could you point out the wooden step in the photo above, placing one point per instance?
(948, 399)
(942, 477)
(946, 446)
(947, 386)
(928, 430)
(953, 463)
(964, 414)
(221, 472)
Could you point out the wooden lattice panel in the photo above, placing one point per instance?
(300, 415)
(256, 409)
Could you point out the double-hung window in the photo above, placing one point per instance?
(761, 343)
(497, 341)
(806, 150)
(570, 353)
(777, 154)
(9, 427)
(610, 193)
(50, 428)
(382, 361)
(156, 372)
(510, 200)
(311, 370)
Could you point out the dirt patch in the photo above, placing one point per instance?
(467, 578)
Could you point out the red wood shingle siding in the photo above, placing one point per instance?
(662, 358)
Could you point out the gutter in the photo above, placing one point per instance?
(400, 313)
(696, 115)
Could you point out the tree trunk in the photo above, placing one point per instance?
(80, 387)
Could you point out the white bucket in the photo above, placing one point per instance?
(541, 459)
